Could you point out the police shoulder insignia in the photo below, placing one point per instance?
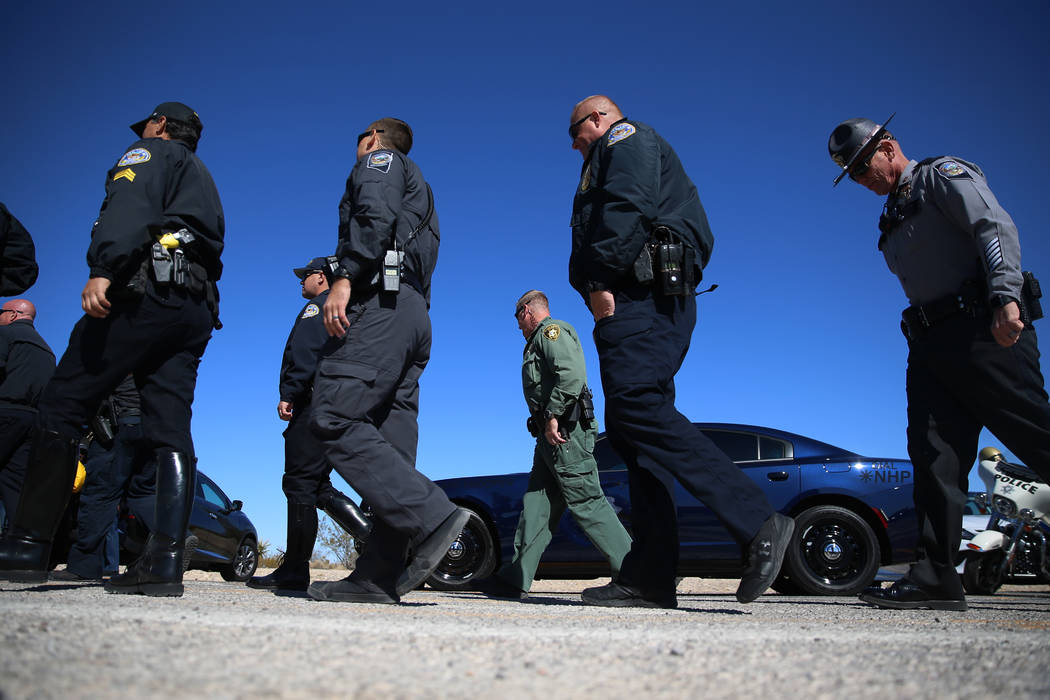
(134, 156)
(620, 132)
(127, 173)
(552, 331)
(310, 311)
(950, 168)
(380, 160)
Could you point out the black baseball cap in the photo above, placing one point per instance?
(315, 265)
(171, 110)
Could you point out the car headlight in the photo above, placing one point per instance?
(1004, 506)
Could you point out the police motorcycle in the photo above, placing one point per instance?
(1014, 546)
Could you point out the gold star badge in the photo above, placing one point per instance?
(552, 332)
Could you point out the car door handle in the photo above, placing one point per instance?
(777, 476)
(213, 516)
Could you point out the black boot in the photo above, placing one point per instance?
(293, 574)
(346, 514)
(158, 572)
(26, 548)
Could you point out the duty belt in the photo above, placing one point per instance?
(918, 318)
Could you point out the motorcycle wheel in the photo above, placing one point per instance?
(981, 572)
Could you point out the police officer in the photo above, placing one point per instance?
(973, 361)
(564, 473)
(635, 204)
(26, 365)
(113, 457)
(18, 269)
(150, 306)
(366, 393)
(306, 484)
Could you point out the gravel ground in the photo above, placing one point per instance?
(223, 640)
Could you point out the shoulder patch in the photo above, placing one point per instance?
(310, 311)
(134, 156)
(620, 132)
(951, 169)
(380, 160)
(127, 173)
(552, 331)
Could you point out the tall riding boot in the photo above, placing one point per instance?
(158, 572)
(346, 514)
(294, 572)
(26, 548)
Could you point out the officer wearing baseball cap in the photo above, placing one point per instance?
(973, 360)
(306, 482)
(150, 305)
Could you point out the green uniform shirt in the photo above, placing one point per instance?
(553, 368)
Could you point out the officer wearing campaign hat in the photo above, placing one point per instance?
(306, 482)
(150, 306)
(973, 360)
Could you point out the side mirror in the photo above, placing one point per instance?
(236, 505)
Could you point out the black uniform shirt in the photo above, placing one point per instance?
(156, 187)
(302, 351)
(631, 182)
(942, 227)
(386, 195)
(18, 269)
(26, 363)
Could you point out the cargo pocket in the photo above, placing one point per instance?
(345, 391)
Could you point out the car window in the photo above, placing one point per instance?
(772, 448)
(741, 447)
(212, 496)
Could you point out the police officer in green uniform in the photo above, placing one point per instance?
(973, 360)
(564, 473)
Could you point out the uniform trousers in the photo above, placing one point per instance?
(16, 432)
(306, 469)
(366, 403)
(960, 380)
(108, 473)
(640, 349)
(564, 476)
(159, 339)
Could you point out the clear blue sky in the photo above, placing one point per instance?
(802, 333)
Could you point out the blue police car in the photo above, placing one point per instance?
(852, 515)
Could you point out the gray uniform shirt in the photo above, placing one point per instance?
(943, 226)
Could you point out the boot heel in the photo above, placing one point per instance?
(161, 589)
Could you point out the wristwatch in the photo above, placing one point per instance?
(547, 415)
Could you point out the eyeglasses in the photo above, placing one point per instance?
(574, 130)
(11, 311)
(519, 311)
(310, 273)
(368, 133)
(859, 169)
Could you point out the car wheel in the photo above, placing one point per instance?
(244, 562)
(832, 552)
(470, 558)
(982, 572)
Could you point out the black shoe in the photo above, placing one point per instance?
(905, 595)
(431, 551)
(617, 595)
(67, 575)
(286, 577)
(351, 591)
(496, 587)
(24, 559)
(765, 555)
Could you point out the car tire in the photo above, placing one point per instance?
(981, 572)
(471, 557)
(833, 551)
(244, 563)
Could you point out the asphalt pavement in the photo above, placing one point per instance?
(224, 640)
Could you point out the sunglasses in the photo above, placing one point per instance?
(368, 133)
(859, 169)
(574, 130)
